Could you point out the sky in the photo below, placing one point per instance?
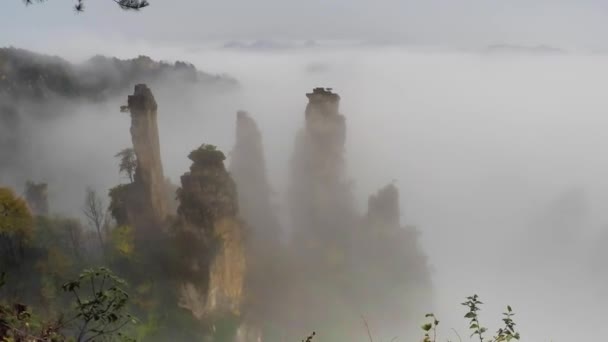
(570, 24)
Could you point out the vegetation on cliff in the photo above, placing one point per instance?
(31, 76)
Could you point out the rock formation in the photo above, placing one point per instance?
(392, 279)
(36, 195)
(347, 264)
(248, 168)
(321, 202)
(265, 252)
(323, 219)
(208, 212)
(142, 203)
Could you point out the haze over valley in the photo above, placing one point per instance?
(285, 182)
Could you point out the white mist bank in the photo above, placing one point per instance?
(481, 147)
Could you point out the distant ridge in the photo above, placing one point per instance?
(524, 50)
(32, 76)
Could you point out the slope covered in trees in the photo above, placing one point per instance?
(31, 76)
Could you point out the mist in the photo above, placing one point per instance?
(498, 158)
(484, 149)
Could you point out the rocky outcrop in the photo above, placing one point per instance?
(149, 199)
(383, 208)
(347, 264)
(248, 168)
(36, 195)
(208, 209)
(323, 218)
(321, 202)
(392, 278)
(266, 265)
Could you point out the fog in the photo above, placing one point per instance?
(498, 157)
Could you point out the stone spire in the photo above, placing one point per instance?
(248, 168)
(323, 218)
(149, 179)
(320, 198)
(266, 256)
(383, 207)
(394, 280)
(36, 195)
(208, 212)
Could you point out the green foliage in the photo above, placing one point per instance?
(16, 221)
(101, 305)
(118, 203)
(473, 303)
(122, 241)
(25, 75)
(55, 252)
(207, 154)
(99, 313)
(18, 324)
(507, 333)
(430, 328)
(128, 162)
(504, 334)
(16, 228)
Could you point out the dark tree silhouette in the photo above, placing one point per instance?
(124, 4)
(128, 162)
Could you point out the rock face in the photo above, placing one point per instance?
(321, 202)
(347, 264)
(36, 195)
(265, 277)
(393, 280)
(208, 212)
(149, 181)
(248, 168)
(322, 220)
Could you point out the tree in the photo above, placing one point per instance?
(99, 313)
(94, 211)
(16, 225)
(124, 4)
(101, 304)
(128, 162)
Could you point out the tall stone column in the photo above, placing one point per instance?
(149, 179)
(321, 203)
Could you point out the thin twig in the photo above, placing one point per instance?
(458, 335)
(367, 328)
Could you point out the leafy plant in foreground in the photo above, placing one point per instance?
(102, 315)
(504, 334)
(430, 327)
(473, 303)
